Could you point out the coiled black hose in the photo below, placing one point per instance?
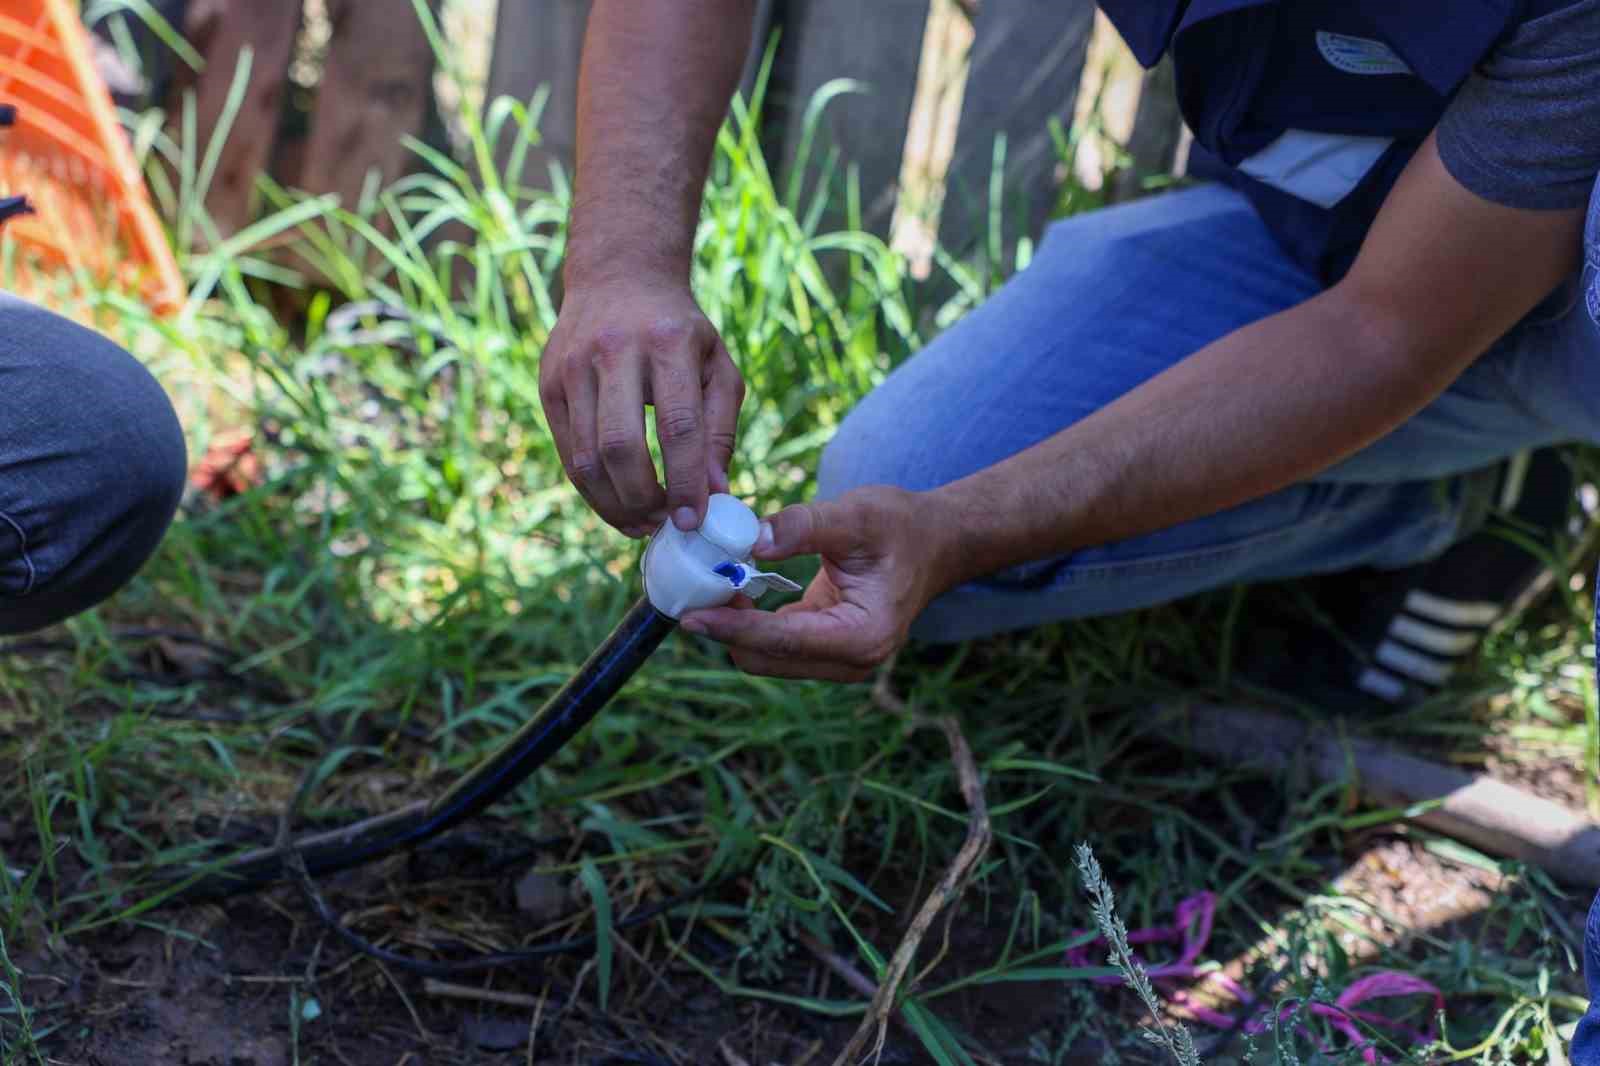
(572, 707)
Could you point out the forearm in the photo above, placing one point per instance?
(1269, 405)
(654, 87)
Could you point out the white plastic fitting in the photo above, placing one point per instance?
(707, 567)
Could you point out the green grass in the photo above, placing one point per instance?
(414, 575)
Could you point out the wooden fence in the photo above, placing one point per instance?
(945, 78)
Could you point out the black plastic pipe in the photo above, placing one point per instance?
(572, 707)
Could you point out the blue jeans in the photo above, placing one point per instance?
(1115, 297)
(92, 464)
(1585, 1050)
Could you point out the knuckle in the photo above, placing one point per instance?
(551, 392)
(615, 447)
(584, 467)
(677, 424)
(571, 376)
(805, 520)
(669, 331)
(608, 346)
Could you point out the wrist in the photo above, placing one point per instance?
(625, 250)
(999, 518)
(958, 535)
(585, 272)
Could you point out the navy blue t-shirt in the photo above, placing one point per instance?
(1524, 129)
(1313, 108)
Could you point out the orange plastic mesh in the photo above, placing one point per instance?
(68, 154)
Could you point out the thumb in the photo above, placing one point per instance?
(831, 529)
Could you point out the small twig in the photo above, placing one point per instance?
(809, 1053)
(533, 1023)
(846, 971)
(416, 1019)
(652, 972)
(435, 987)
(261, 979)
(730, 1056)
(883, 694)
(840, 966)
(952, 884)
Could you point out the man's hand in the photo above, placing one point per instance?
(617, 347)
(652, 91)
(883, 561)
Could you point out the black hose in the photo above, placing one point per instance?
(572, 707)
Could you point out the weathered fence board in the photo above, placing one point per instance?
(878, 44)
(1027, 62)
(760, 36)
(376, 90)
(537, 42)
(1157, 131)
(221, 30)
(1011, 70)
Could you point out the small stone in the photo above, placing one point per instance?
(542, 897)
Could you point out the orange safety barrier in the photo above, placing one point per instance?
(67, 153)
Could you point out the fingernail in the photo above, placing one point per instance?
(685, 518)
(693, 625)
(764, 538)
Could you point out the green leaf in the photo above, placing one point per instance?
(595, 885)
(940, 1043)
(1043, 767)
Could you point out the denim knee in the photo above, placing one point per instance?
(863, 451)
(1585, 1050)
(91, 482)
(896, 435)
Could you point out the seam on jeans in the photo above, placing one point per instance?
(1178, 561)
(1526, 333)
(27, 560)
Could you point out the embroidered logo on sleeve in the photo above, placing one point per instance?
(1359, 55)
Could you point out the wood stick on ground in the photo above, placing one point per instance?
(841, 967)
(730, 1056)
(846, 971)
(435, 987)
(874, 1027)
(1491, 815)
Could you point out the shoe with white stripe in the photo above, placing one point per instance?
(1418, 625)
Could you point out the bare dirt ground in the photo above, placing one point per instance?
(228, 998)
(231, 984)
